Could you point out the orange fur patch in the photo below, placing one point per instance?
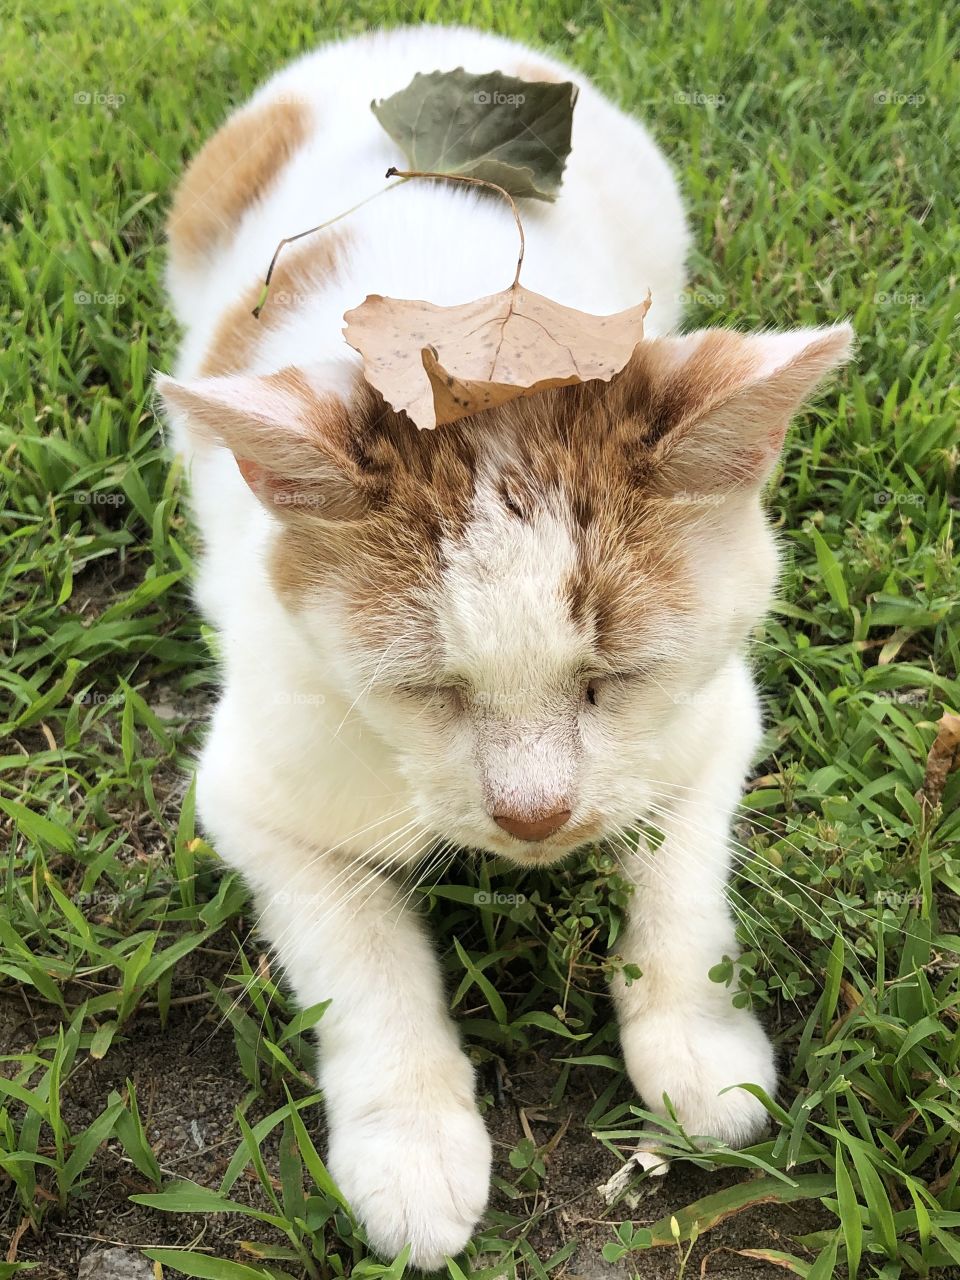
(235, 168)
(302, 271)
(531, 71)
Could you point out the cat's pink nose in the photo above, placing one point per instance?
(533, 828)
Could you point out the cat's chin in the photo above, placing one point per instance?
(539, 853)
(534, 856)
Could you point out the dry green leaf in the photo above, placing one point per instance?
(707, 1212)
(514, 133)
(773, 1257)
(440, 364)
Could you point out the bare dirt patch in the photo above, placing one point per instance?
(189, 1084)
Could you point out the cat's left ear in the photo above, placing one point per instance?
(714, 406)
(290, 441)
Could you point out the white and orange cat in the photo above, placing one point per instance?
(520, 634)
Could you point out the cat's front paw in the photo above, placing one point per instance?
(692, 1059)
(416, 1175)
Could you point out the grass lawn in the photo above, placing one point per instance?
(155, 1086)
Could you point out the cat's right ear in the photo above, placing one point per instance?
(289, 440)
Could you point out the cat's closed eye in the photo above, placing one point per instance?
(596, 690)
(599, 688)
(440, 695)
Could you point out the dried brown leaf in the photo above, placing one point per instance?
(942, 758)
(774, 1257)
(440, 364)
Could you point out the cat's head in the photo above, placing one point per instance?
(524, 604)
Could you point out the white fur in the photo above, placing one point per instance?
(317, 778)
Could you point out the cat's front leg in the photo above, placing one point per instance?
(681, 1034)
(407, 1145)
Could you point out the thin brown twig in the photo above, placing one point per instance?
(299, 236)
(393, 172)
(404, 175)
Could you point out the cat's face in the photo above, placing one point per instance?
(528, 683)
(524, 604)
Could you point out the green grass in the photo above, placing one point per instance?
(818, 147)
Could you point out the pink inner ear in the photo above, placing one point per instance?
(272, 490)
(252, 472)
(759, 461)
(753, 462)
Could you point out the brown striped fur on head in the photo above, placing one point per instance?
(368, 506)
(418, 493)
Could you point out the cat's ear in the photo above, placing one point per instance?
(289, 440)
(714, 406)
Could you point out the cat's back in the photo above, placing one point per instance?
(307, 147)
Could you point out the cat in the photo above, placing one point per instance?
(521, 633)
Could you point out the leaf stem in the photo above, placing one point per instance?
(405, 174)
(309, 232)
